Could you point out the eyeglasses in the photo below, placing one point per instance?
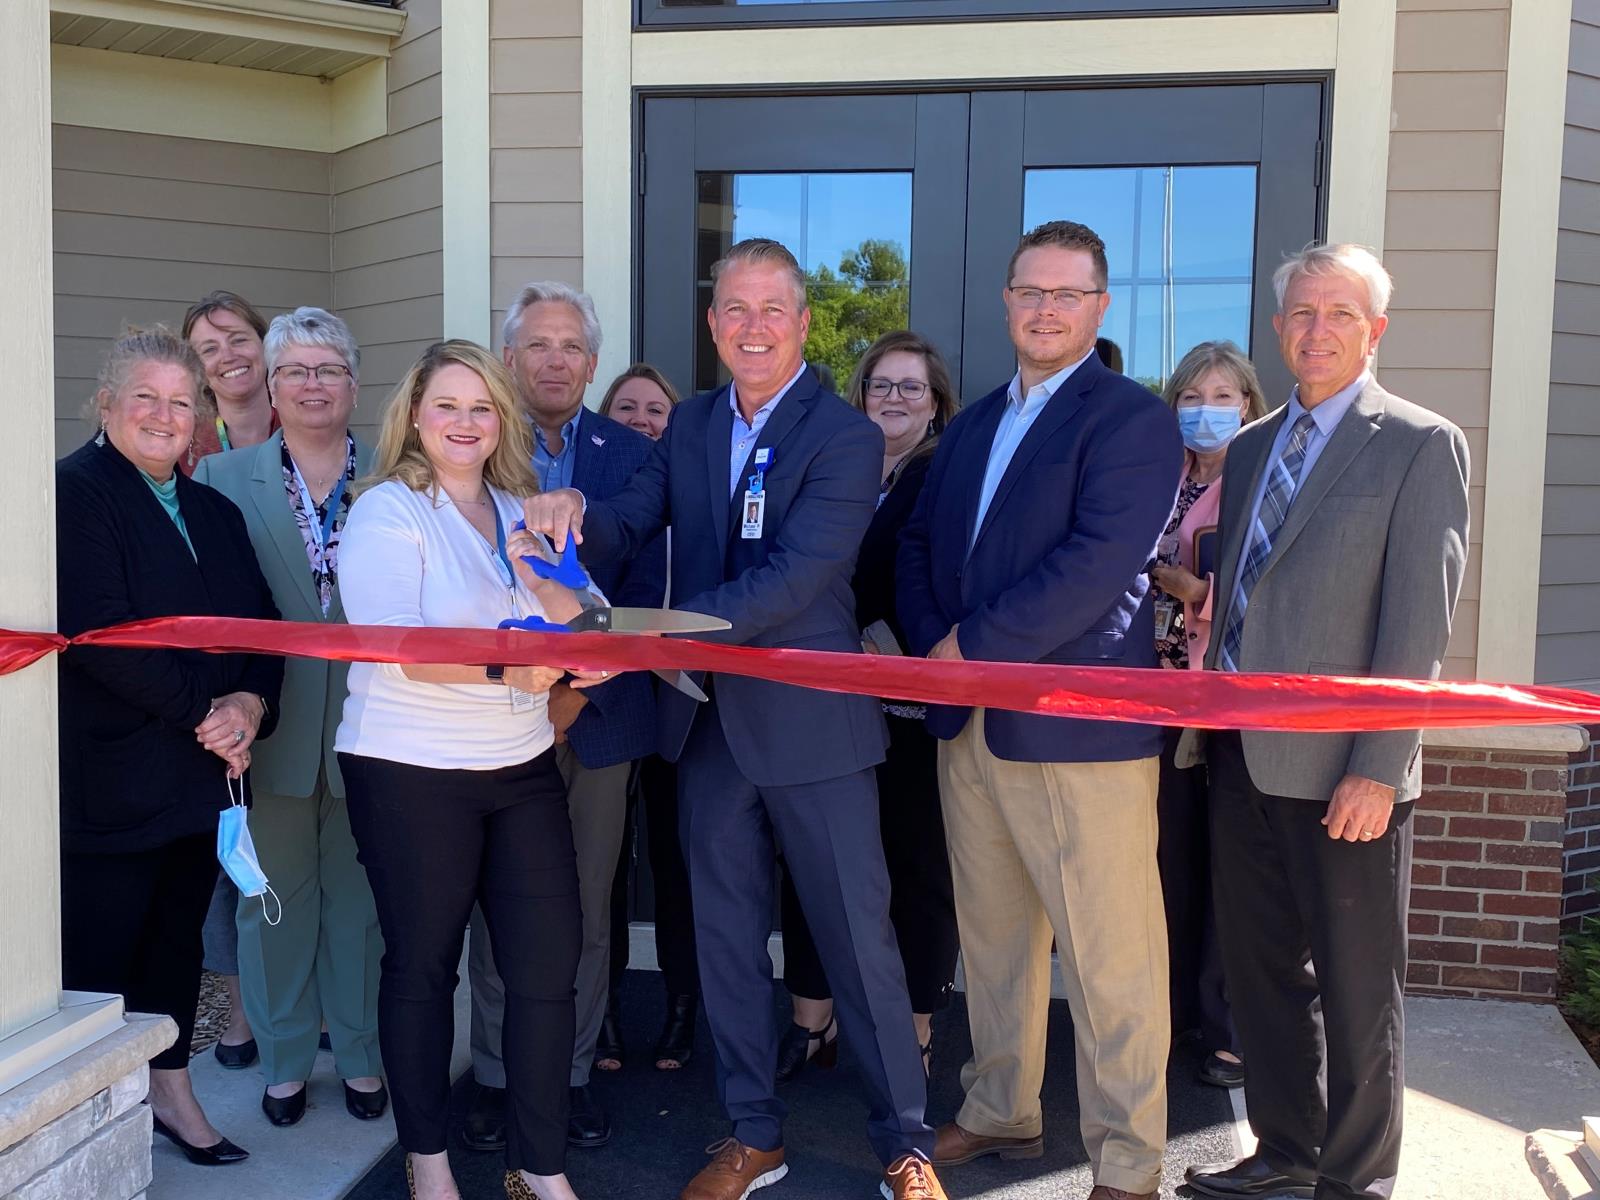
(1070, 299)
(910, 389)
(328, 374)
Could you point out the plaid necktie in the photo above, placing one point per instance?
(1281, 485)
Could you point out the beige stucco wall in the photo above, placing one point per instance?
(146, 224)
(1568, 648)
(535, 132)
(1441, 235)
(387, 251)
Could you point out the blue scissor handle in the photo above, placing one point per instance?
(533, 625)
(567, 572)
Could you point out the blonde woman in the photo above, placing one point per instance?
(453, 792)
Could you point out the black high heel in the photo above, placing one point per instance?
(609, 1044)
(285, 1110)
(220, 1154)
(676, 1043)
(795, 1054)
(366, 1106)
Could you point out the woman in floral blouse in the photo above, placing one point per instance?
(1213, 392)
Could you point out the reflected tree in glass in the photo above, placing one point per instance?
(868, 296)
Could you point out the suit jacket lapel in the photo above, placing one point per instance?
(719, 438)
(266, 491)
(985, 424)
(1352, 432)
(583, 453)
(1058, 410)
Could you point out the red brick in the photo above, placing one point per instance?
(1538, 983)
(1424, 950)
(1522, 856)
(1487, 777)
(1502, 879)
(1441, 900)
(1497, 828)
(1479, 977)
(1440, 800)
(1578, 902)
(1548, 781)
(1581, 818)
(1427, 825)
(1527, 758)
(1524, 805)
(1425, 924)
(1549, 882)
(1436, 752)
(1422, 973)
(1582, 860)
(1481, 928)
(1516, 906)
(1549, 832)
(1585, 775)
(1575, 840)
(1541, 932)
(1426, 874)
(1519, 956)
(1447, 850)
(1433, 773)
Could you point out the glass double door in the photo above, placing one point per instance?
(904, 210)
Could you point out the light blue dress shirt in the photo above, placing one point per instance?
(555, 470)
(745, 434)
(1325, 418)
(1020, 414)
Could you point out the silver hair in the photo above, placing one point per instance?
(308, 326)
(1338, 258)
(554, 292)
(761, 250)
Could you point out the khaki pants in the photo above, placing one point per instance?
(1069, 850)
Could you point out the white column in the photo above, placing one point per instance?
(30, 983)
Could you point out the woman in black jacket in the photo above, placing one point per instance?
(150, 739)
(903, 385)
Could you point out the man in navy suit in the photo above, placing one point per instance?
(1029, 543)
(769, 484)
(552, 342)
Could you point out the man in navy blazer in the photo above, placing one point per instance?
(552, 342)
(769, 485)
(1029, 543)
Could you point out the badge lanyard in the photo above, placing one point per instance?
(521, 701)
(755, 498)
(222, 435)
(322, 530)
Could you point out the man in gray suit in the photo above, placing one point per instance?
(1343, 536)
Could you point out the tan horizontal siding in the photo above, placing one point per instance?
(1569, 571)
(535, 140)
(1441, 236)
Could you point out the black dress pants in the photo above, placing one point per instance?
(130, 924)
(1314, 944)
(921, 901)
(654, 794)
(1183, 853)
(434, 843)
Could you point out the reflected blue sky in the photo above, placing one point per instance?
(823, 215)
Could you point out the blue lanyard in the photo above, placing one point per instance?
(332, 514)
(502, 560)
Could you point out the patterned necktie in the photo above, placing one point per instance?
(1281, 485)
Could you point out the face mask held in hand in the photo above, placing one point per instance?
(1208, 427)
(236, 851)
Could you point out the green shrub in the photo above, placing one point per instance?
(1580, 971)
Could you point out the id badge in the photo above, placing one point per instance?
(521, 701)
(755, 512)
(1166, 611)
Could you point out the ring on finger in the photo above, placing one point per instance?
(238, 735)
(1366, 835)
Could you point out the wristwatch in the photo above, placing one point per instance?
(495, 672)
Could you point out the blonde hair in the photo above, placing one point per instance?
(399, 454)
(1338, 258)
(151, 343)
(1224, 356)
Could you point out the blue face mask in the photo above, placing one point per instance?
(1208, 427)
(236, 851)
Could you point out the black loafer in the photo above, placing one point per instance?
(485, 1127)
(286, 1111)
(237, 1058)
(366, 1106)
(221, 1154)
(676, 1043)
(1219, 1072)
(1249, 1177)
(587, 1123)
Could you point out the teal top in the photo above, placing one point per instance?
(167, 493)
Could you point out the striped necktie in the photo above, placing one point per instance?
(1281, 485)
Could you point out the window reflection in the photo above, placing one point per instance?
(851, 232)
(1180, 245)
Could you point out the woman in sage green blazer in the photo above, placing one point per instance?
(320, 962)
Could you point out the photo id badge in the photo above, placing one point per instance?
(521, 701)
(755, 511)
(1166, 611)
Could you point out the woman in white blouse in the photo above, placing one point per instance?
(454, 796)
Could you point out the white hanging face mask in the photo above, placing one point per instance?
(236, 851)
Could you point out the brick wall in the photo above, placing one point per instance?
(1580, 894)
(1486, 878)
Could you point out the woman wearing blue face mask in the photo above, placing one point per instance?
(1213, 392)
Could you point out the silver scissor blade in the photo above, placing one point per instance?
(681, 681)
(645, 620)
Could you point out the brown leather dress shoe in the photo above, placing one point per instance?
(911, 1178)
(1104, 1192)
(735, 1170)
(953, 1145)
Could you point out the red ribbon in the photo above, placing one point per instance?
(1203, 699)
